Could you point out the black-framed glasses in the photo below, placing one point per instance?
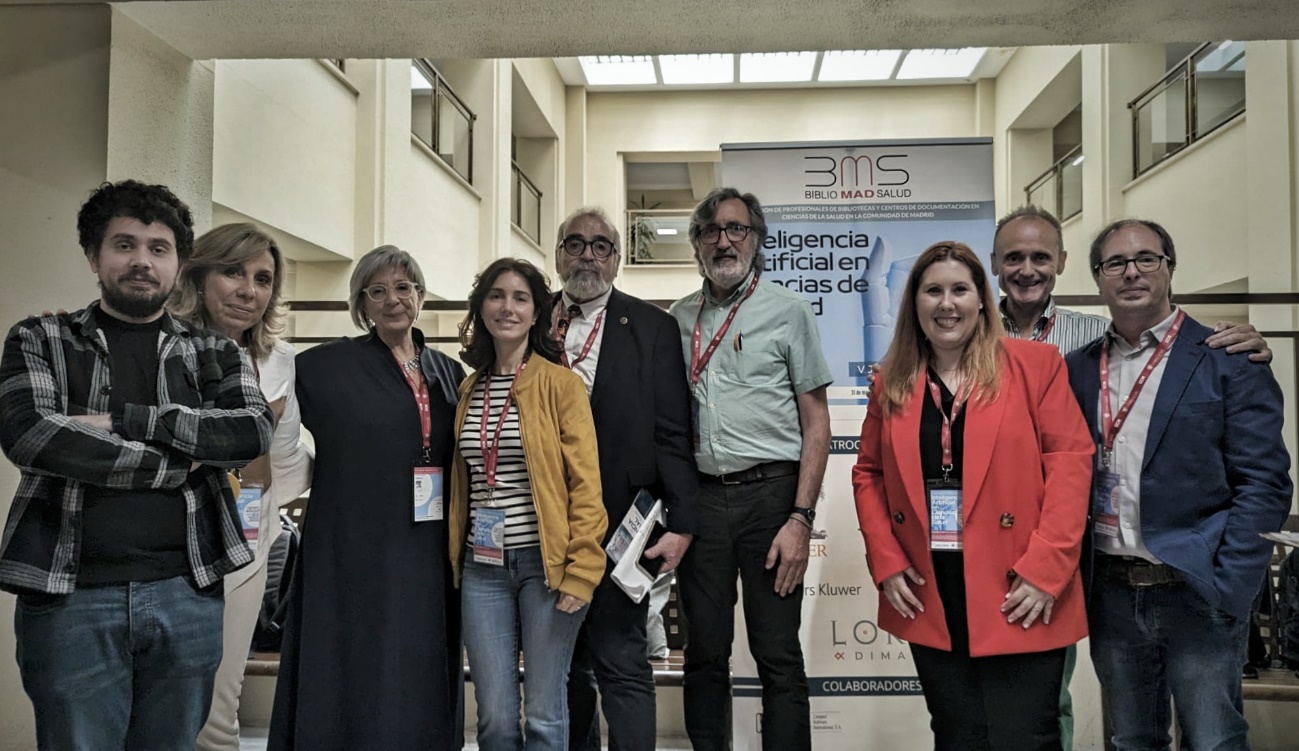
(735, 232)
(403, 290)
(576, 245)
(1119, 266)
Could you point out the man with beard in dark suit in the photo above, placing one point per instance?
(629, 354)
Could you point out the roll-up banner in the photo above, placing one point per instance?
(846, 221)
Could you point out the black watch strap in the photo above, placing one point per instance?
(806, 513)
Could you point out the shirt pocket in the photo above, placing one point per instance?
(762, 362)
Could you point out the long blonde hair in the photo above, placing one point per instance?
(909, 353)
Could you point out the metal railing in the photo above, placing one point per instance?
(658, 236)
(1059, 189)
(526, 199)
(441, 119)
(1198, 95)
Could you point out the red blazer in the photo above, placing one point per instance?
(1027, 482)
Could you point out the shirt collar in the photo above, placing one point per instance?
(1149, 338)
(1009, 322)
(590, 308)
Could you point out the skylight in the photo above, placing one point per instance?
(697, 69)
(618, 70)
(940, 63)
(858, 65)
(777, 67)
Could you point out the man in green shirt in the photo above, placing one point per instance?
(761, 432)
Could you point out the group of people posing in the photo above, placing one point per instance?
(1121, 494)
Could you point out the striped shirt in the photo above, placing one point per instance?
(210, 410)
(1071, 330)
(513, 488)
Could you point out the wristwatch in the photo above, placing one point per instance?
(806, 513)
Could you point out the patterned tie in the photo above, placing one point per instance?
(562, 321)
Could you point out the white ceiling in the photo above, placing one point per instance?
(206, 29)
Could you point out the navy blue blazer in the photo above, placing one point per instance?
(1215, 472)
(641, 405)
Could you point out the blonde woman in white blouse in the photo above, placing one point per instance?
(232, 284)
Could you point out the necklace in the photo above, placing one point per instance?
(411, 365)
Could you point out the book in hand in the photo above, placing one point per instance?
(640, 530)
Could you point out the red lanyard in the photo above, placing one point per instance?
(1046, 330)
(957, 403)
(492, 450)
(418, 385)
(697, 363)
(586, 348)
(1111, 423)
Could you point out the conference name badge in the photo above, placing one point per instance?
(1105, 504)
(489, 536)
(944, 515)
(249, 507)
(426, 484)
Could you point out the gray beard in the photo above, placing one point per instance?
(583, 287)
(726, 279)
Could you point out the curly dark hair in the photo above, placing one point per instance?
(479, 350)
(130, 198)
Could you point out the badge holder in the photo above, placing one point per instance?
(945, 520)
(426, 491)
(1105, 498)
(248, 503)
(489, 536)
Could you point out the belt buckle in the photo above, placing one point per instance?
(730, 478)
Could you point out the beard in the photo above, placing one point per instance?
(731, 274)
(583, 285)
(133, 304)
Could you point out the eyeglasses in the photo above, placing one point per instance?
(1119, 266)
(735, 232)
(403, 290)
(576, 245)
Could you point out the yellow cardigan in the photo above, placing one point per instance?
(559, 449)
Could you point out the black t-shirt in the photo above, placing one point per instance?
(131, 535)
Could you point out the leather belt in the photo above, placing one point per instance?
(756, 473)
(1135, 572)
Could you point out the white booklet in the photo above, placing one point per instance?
(640, 528)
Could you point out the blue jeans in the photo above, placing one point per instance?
(505, 609)
(120, 667)
(1150, 642)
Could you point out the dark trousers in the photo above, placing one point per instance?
(737, 524)
(997, 703)
(612, 655)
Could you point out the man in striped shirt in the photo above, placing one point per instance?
(121, 419)
(1027, 255)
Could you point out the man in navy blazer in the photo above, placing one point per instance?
(629, 354)
(1190, 468)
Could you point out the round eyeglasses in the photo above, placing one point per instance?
(576, 245)
(403, 291)
(735, 232)
(1119, 266)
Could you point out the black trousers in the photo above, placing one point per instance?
(612, 656)
(998, 703)
(737, 524)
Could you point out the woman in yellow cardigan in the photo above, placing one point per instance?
(526, 516)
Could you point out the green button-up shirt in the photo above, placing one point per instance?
(744, 401)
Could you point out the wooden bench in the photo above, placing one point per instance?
(667, 672)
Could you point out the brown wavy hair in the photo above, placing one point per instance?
(479, 350)
(908, 355)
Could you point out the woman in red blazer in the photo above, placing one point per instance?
(971, 487)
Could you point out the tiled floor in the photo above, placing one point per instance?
(254, 739)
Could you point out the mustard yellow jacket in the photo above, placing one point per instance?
(564, 468)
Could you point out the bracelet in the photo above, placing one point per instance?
(800, 519)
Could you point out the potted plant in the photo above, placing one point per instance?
(640, 232)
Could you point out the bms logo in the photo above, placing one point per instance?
(853, 172)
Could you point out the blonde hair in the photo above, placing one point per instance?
(380, 259)
(909, 353)
(220, 248)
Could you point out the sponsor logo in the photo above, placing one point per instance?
(828, 589)
(826, 722)
(863, 641)
(855, 177)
